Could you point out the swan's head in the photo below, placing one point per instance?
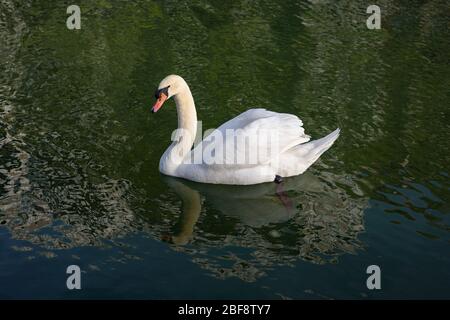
(168, 87)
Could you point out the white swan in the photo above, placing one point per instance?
(289, 154)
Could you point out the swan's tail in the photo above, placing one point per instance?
(311, 151)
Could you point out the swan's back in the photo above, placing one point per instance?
(273, 134)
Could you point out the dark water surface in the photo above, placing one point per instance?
(79, 150)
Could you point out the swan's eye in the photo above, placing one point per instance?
(163, 90)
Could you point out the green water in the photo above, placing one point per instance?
(79, 150)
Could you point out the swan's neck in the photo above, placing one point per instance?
(187, 115)
(185, 135)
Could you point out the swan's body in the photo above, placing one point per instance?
(291, 155)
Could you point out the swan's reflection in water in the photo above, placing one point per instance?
(255, 206)
(305, 217)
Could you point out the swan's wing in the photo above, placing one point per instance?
(254, 137)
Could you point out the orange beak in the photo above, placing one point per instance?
(158, 104)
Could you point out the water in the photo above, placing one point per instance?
(79, 150)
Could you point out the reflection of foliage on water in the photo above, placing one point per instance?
(57, 123)
(13, 156)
